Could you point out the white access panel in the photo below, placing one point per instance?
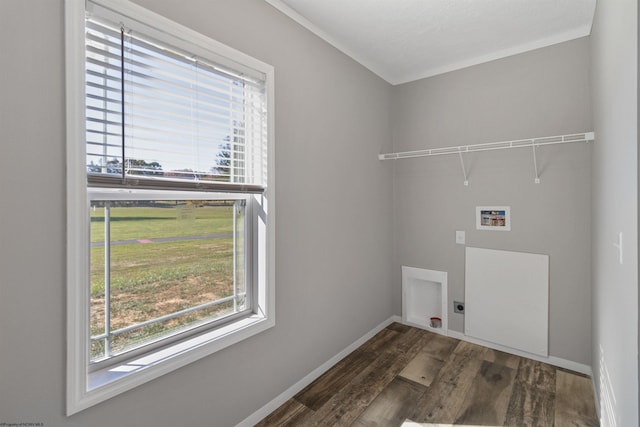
(507, 299)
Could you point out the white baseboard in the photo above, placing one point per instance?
(552, 360)
(274, 404)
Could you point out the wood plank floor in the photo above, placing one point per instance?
(409, 377)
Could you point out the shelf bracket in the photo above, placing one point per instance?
(535, 163)
(464, 170)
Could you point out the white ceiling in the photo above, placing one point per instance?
(406, 40)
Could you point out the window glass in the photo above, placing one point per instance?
(159, 267)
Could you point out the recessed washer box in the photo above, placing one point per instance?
(424, 295)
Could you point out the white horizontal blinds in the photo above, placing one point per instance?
(103, 98)
(188, 123)
(255, 129)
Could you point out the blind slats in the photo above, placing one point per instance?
(188, 124)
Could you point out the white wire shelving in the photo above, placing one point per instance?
(533, 143)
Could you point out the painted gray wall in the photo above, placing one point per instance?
(333, 225)
(539, 93)
(327, 105)
(614, 71)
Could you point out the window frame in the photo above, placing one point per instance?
(85, 387)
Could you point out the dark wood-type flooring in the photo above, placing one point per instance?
(410, 377)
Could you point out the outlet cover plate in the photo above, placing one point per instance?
(458, 307)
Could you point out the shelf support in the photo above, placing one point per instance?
(464, 170)
(535, 164)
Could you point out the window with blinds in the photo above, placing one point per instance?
(158, 116)
(170, 228)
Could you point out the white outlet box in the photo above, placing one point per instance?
(460, 237)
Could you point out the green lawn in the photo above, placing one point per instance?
(167, 220)
(149, 280)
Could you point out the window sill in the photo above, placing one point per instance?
(111, 381)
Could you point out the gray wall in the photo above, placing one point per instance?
(333, 225)
(615, 209)
(539, 93)
(335, 203)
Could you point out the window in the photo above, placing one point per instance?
(170, 247)
(160, 269)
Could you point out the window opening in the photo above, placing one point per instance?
(160, 268)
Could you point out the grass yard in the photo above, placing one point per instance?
(152, 279)
(164, 219)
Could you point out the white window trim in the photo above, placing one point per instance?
(114, 380)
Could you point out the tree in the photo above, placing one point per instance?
(114, 166)
(92, 167)
(134, 167)
(223, 161)
(141, 167)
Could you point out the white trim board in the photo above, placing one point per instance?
(275, 403)
(552, 360)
